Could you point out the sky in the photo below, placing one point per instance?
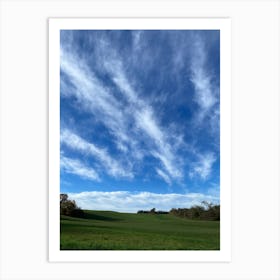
(140, 118)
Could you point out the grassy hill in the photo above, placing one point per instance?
(106, 230)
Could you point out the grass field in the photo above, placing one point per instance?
(106, 230)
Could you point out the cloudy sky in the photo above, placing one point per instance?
(139, 118)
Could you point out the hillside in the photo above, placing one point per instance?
(106, 230)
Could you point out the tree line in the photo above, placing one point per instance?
(205, 211)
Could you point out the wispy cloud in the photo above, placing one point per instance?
(203, 167)
(201, 77)
(111, 166)
(76, 167)
(129, 123)
(164, 176)
(123, 201)
(162, 148)
(145, 119)
(95, 97)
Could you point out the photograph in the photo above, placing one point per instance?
(140, 139)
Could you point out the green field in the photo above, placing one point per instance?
(106, 230)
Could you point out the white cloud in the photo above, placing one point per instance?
(205, 92)
(95, 98)
(124, 201)
(203, 166)
(162, 151)
(112, 166)
(76, 167)
(128, 124)
(164, 176)
(145, 120)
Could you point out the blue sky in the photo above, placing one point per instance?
(139, 118)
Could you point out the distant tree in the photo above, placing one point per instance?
(69, 207)
(152, 211)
